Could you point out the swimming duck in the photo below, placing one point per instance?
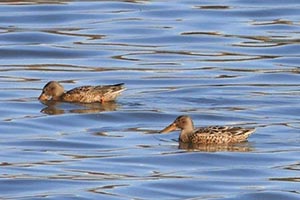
(84, 94)
(207, 135)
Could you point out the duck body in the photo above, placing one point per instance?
(207, 135)
(84, 94)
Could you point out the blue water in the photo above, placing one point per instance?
(222, 63)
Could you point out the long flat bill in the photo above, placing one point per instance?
(171, 127)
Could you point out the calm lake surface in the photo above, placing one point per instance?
(226, 62)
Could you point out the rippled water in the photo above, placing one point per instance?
(224, 63)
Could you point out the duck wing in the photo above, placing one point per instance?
(109, 92)
(222, 134)
(90, 94)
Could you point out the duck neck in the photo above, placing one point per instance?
(58, 97)
(186, 133)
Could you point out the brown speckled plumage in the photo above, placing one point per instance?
(207, 135)
(84, 94)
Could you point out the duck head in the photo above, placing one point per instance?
(52, 90)
(182, 122)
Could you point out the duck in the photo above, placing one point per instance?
(84, 94)
(207, 135)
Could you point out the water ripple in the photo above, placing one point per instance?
(229, 63)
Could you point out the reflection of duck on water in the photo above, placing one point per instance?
(239, 147)
(53, 107)
(84, 94)
(207, 135)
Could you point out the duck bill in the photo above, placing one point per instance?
(171, 127)
(43, 97)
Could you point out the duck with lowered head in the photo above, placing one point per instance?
(84, 94)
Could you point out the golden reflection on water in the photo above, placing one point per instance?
(54, 108)
(240, 147)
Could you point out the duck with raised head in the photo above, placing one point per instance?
(207, 135)
(84, 94)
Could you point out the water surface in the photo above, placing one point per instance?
(223, 63)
